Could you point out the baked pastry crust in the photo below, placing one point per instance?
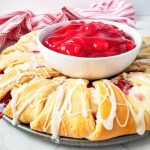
(27, 43)
(14, 58)
(28, 100)
(113, 117)
(76, 118)
(145, 50)
(140, 65)
(69, 107)
(142, 62)
(16, 77)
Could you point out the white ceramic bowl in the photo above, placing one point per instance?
(89, 68)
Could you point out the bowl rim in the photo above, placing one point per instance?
(93, 58)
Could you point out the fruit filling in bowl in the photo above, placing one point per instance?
(94, 39)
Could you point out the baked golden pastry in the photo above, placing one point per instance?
(145, 50)
(27, 43)
(15, 77)
(28, 100)
(114, 113)
(70, 104)
(76, 108)
(113, 117)
(14, 58)
(142, 64)
(19, 64)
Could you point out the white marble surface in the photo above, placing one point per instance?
(14, 139)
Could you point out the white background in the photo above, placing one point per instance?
(142, 6)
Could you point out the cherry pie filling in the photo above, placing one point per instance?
(2, 72)
(123, 84)
(4, 102)
(36, 51)
(94, 39)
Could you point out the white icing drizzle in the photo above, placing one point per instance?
(28, 94)
(84, 110)
(125, 75)
(15, 95)
(16, 113)
(144, 78)
(138, 118)
(57, 108)
(37, 103)
(30, 46)
(68, 98)
(60, 108)
(17, 77)
(28, 65)
(46, 126)
(104, 97)
(94, 94)
(56, 115)
(108, 123)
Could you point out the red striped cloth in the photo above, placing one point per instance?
(16, 24)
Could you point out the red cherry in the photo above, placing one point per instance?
(55, 46)
(36, 51)
(89, 28)
(70, 33)
(94, 116)
(1, 115)
(1, 72)
(123, 84)
(96, 44)
(100, 45)
(6, 99)
(78, 40)
(129, 45)
(53, 39)
(115, 41)
(112, 52)
(50, 40)
(4, 103)
(72, 48)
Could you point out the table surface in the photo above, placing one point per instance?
(14, 139)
